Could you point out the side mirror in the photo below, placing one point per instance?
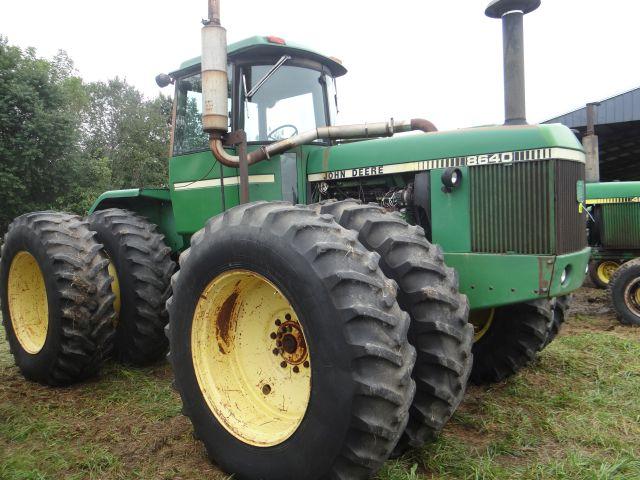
(163, 80)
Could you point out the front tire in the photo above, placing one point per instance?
(624, 291)
(560, 308)
(254, 277)
(141, 267)
(57, 305)
(508, 339)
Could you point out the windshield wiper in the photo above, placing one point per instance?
(273, 70)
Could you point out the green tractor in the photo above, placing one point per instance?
(337, 285)
(614, 235)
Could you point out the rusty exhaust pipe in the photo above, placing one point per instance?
(512, 12)
(343, 132)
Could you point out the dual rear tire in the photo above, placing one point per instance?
(73, 289)
(57, 303)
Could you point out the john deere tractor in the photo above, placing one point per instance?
(614, 235)
(318, 321)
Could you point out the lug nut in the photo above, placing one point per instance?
(296, 369)
(276, 351)
(273, 335)
(287, 316)
(278, 322)
(306, 364)
(283, 364)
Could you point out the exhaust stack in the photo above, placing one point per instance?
(214, 73)
(512, 12)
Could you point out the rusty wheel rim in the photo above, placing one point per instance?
(250, 357)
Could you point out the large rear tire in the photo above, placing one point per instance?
(57, 304)
(429, 294)
(142, 267)
(288, 346)
(508, 339)
(624, 291)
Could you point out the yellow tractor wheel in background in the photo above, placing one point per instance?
(57, 304)
(601, 271)
(288, 346)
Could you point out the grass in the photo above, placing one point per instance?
(574, 414)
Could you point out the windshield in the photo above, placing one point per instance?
(291, 101)
(188, 135)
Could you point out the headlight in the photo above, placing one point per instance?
(451, 178)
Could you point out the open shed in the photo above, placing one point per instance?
(617, 125)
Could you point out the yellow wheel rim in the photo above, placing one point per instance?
(481, 321)
(115, 288)
(251, 358)
(606, 270)
(28, 306)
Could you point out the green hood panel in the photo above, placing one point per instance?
(446, 144)
(612, 190)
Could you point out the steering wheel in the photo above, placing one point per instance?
(286, 125)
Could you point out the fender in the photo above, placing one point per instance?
(151, 203)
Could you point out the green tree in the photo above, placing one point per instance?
(130, 132)
(38, 129)
(63, 142)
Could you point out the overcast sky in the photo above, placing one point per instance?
(437, 59)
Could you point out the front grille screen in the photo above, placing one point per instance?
(512, 208)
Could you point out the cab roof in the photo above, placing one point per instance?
(267, 46)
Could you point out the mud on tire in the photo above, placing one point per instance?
(361, 361)
(73, 295)
(429, 293)
(144, 267)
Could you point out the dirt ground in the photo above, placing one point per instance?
(573, 414)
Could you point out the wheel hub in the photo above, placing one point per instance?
(289, 343)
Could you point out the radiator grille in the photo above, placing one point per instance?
(512, 208)
(621, 225)
(571, 227)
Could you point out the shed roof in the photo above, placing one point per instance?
(624, 107)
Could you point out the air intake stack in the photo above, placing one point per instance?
(214, 73)
(512, 12)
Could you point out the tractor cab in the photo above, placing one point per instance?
(275, 90)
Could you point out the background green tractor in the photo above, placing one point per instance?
(319, 319)
(614, 236)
